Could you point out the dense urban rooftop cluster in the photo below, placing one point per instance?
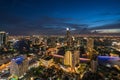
(66, 57)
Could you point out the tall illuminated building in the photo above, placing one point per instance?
(78, 43)
(75, 58)
(94, 63)
(90, 44)
(35, 40)
(93, 66)
(19, 66)
(71, 56)
(68, 38)
(68, 58)
(3, 38)
(90, 47)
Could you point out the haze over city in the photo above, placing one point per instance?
(28, 17)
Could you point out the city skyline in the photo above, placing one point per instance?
(54, 16)
(68, 57)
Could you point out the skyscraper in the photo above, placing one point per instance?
(75, 57)
(3, 38)
(35, 40)
(71, 56)
(68, 38)
(68, 58)
(93, 66)
(90, 47)
(90, 44)
(19, 66)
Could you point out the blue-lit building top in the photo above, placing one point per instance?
(106, 58)
(18, 59)
(109, 60)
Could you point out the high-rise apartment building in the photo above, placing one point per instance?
(90, 44)
(19, 66)
(71, 58)
(68, 58)
(3, 38)
(75, 57)
(68, 38)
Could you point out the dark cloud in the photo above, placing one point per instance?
(45, 25)
(53, 16)
(6, 18)
(59, 23)
(108, 26)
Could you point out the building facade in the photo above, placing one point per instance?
(19, 66)
(71, 58)
(68, 58)
(3, 38)
(90, 44)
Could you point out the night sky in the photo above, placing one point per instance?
(27, 17)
